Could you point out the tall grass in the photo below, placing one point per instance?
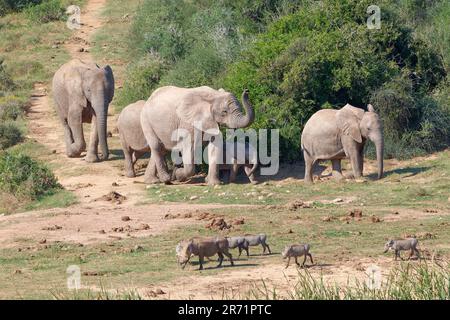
(409, 281)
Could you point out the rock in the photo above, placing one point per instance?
(218, 224)
(355, 213)
(81, 50)
(110, 134)
(159, 291)
(43, 241)
(297, 204)
(337, 200)
(144, 226)
(430, 211)
(52, 228)
(238, 222)
(125, 218)
(327, 219)
(290, 231)
(102, 232)
(375, 219)
(193, 198)
(17, 271)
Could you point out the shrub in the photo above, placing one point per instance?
(11, 108)
(7, 6)
(143, 78)
(24, 177)
(49, 10)
(324, 56)
(10, 134)
(6, 81)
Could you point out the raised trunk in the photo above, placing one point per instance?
(241, 120)
(100, 108)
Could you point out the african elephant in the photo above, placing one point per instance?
(171, 108)
(336, 134)
(231, 161)
(82, 92)
(131, 135)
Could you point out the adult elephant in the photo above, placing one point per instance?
(170, 109)
(336, 134)
(82, 92)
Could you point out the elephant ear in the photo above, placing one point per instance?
(348, 122)
(196, 110)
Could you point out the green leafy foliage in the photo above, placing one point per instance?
(298, 57)
(10, 134)
(48, 10)
(24, 177)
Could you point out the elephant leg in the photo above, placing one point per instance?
(251, 177)
(361, 163)
(150, 172)
(233, 172)
(355, 159)
(188, 170)
(337, 170)
(68, 138)
(92, 154)
(309, 166)
(76, 126)
(129, 165)
(215, 152)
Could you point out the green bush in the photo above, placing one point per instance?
(24, 177)
(11, 108)
(143, 78)
(7, 6)
(49, 10)
(324, 56)
(10, 134)
(6, 81)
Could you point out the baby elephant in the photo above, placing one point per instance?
(402, 245)
(297, 250)
(203, 247)
(232, 161)
(132, 137)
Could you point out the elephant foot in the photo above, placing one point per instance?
(152, 180)
(308, 181)
(254, 182)
(213, 182)
(130, 174)
(91, 158)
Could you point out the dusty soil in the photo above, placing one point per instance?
(95, 219)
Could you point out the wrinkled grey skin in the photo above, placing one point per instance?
(256, 240)
(203, 247)
(82, 92)
(131, 135)
(238, 242)
(402, 245)
(171, 108)
(297, 250)
(230, 166)
(336, 134)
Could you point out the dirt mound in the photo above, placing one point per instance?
(114, 197)
(218, 224)
(297, 204)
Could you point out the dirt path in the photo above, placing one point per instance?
(86, 221)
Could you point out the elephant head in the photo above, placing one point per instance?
(206, 109)
(361, 125)
(98, 88)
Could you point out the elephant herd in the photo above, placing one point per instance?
(168, 121)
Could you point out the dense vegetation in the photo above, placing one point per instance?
(297, 57)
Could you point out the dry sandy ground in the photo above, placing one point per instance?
(92, 221)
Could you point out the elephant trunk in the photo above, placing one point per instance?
(240, 120)
(379, 145)
(101, 112)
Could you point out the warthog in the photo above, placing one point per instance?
(202, 247)
(402, 245)
(297, 250)
(238, 242)
(255, 240)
